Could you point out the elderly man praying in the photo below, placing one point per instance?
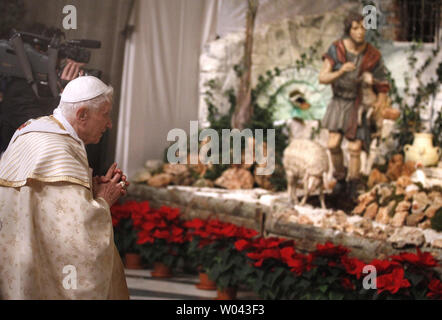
(56, 237)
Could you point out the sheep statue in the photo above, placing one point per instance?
(306, 163)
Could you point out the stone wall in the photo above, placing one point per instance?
(277, 44)
(204, 203)
(280, 44)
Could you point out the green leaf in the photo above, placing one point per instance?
(215, 271)
(414, 278)
(323, 288)
(333, 295)
(304, 284)
(275, 275)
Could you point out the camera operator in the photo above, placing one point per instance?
(18, 101)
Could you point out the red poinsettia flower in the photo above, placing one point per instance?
(177, 235)
(119, 212)
(188, 237)
(140, 212)
(385, 266)
(329, 250)
(195, 224)
(287, 253)
(271, 242)
(242, 244)
(271, 253)
(202, 233)
(264, 255)
(420, 259)
(144, 206)
(246, 233)
(353, 266)
(229, 231)
(145, 236)
(130, 209)
(435, 289)
(297, 262)
(392, 282)
(204, 242)
(148, 225)
(160, 234)
(173, 214)
(168, 213)
(214, 226)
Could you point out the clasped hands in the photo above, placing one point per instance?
(111, 186)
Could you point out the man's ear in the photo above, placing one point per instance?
(82, 113)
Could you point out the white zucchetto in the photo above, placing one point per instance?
(82, 89)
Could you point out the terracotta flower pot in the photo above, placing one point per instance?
(132, 261)
(160, 270)
(205, 282)
(227, 293)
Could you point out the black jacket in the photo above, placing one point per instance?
(21, 104)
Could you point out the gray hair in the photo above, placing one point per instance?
(69, 108)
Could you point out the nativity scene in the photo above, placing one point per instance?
(257, 149)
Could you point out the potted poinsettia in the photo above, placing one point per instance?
(200, 251)
(229, 270)
(162, 240)
(124, 220)
(225, 265)
(269, 275)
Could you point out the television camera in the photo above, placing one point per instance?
(38, 58)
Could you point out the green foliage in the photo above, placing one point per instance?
(161, 251)
(215, 171)
(273, 272)
(229, 268)
(273, 280)
(125, 237)
(410, 120)
(204, 256)
(436, 221)
(437, 127)
(308, 58)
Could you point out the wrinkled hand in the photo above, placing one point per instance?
(348, 66)
(110, 174)
(110, 191)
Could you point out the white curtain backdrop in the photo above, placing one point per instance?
(161, 68)
(160, 77)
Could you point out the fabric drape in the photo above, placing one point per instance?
(160, 79)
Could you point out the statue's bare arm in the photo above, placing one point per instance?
(327, 75)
